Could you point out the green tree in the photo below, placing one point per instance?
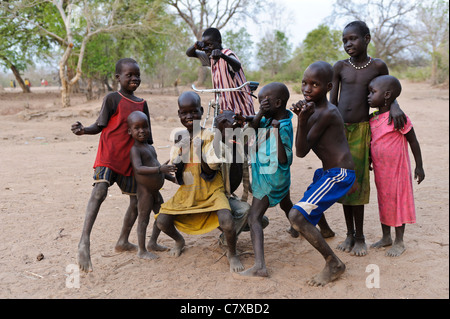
(240, 43)
(273, 51)
(19, 43)
(73, 24)
(433, 34)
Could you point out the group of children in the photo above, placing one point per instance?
(345, 137)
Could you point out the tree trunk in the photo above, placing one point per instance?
(202, 73)
(65, 95)
(434, 67)
(89, 95)
(16, 73)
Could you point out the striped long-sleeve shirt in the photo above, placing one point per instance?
(223, 76)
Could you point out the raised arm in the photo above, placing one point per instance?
(304, 112)
(232, 61)
(191, 51)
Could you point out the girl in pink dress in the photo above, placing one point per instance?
(391, 164)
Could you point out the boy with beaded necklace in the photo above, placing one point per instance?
(349, 93)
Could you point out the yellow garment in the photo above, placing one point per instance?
(197, 201)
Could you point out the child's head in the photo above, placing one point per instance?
(138, 126)
(277, 95)
(383, 90)
(128, 75)
(356, 37)
(317, 81)
(189, 109)
(212, 39)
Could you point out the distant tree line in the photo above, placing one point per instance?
(85, 38)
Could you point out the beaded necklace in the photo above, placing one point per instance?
(359, 67)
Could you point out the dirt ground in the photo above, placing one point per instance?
(46, 178)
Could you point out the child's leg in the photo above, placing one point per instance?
(152, 243)
(130, 217)
(355, 242)
(165, 223)
(360, 248)
(334, 267)
(399, 246)
(325, 229)
(255, 215)
(226, 223)
(349, 241)
(286, 205)
(145, 205)
(98, 195)
(386, 240)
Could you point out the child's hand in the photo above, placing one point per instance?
(167, 168)
(306, 112)
(419, 174)
(264, 105)
(77, 128)
(275, 124)
(216, 54)
(297, 107)
(199, 45)
(239, 120)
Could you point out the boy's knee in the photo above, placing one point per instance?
(133, 202)
(295, 217)
(225, 220)
(163, 221)
(100, 191)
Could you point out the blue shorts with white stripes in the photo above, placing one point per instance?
(326, 189)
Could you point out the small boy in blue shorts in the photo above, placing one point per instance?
(321, 128)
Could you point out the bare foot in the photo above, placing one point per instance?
(383, 242)
(360, 248)
(396, 250)
(127, 246)
(235, 264)
(293, 232)
(84, 258)
(177, 249)
(147, 255)
(151, 246)
(347, 244)
(254, 272)
(332, 271)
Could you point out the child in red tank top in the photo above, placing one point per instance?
(112, 163)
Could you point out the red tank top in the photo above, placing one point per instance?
(115, 142)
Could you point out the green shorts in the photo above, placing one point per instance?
(127, 184)
(358, 137)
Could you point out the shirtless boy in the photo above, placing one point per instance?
(149, 175)
(321, 129)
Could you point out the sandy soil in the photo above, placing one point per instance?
(46, 182)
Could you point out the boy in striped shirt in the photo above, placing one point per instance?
(226, 71)
(321, 128)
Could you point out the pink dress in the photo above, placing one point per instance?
(392, 170)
